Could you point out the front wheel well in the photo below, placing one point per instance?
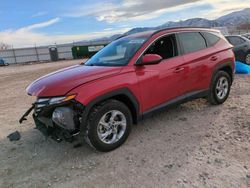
(128, 100)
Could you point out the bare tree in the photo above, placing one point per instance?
(4, 46)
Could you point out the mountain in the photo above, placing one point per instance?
(197, 22)
(233, 19)
(139, 29)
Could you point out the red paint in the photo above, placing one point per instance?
(151, 84)
(61, 82)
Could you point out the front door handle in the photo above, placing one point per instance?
(179, 69)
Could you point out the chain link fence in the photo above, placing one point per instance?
(35, 54)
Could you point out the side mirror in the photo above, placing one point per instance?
(150, 59)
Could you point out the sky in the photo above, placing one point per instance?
(34, 22)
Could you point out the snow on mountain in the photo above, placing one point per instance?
(232, 19)
(235, 18)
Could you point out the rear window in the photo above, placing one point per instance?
(192, 42)
(235, 40)
(211, 38)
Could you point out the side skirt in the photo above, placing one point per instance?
(179, 100)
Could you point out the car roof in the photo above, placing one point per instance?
(233, 36)
(243, 37)
(170, 30)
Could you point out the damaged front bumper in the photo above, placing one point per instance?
(60, 121)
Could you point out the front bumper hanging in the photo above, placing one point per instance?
(47, 124)
(23, 118)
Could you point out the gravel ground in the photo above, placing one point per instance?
(191, 145)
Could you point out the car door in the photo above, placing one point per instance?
(164, 81)
(239, 47)
(196, 58)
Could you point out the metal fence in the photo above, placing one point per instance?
(34, 54)
(42, 53)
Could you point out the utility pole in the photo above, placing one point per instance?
(37, 56)
(14, 54)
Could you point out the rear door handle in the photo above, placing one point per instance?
(179, 69)
(214, 58)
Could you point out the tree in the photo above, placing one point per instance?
(4, 46)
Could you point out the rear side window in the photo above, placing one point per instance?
(211, 38)
(192, 42)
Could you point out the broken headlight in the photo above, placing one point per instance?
(42, 102)
(54, 100)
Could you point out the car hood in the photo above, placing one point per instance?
(61, 82)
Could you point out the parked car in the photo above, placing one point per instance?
(247, 35)
(241, 48)
(130, 79)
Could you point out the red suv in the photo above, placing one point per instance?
(128, 80)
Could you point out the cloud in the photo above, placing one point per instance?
(39, 14)
(222, 7)
(141, 10)
(128, 10)
(122, 14)
(109, 29)
(41, 25)
(27, 36)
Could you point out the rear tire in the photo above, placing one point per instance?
(247, 58)
(109, 125)
(220, 88)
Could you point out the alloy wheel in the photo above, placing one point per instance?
(222, 88)
(111, 127)
(248, 59)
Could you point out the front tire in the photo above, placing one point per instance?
(220, 88)
(109, 125)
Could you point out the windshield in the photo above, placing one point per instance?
(118, 53)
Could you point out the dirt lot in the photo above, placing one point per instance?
(192, 145)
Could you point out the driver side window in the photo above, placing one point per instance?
(166, 47)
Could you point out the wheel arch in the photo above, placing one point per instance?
(123, 95)
(227, 67)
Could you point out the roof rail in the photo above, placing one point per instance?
(170, 28)
(165, 29)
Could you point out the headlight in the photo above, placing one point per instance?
(54, 100)
(57, 100)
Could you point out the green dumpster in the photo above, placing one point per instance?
(80, 52)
